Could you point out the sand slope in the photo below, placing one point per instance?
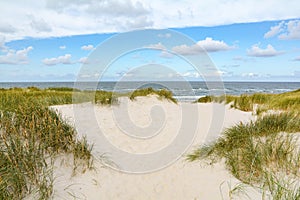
(162, 120)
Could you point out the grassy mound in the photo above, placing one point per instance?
(163, 94)
(264, 153)
(31, 135)
(245, 102)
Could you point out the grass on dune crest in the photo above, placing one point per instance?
(264, 153)
(246, 102)
(59, 96)
(260, 154)
(163, 94)
(31, 135)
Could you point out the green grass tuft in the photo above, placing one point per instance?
(259, 102)
(254, 150)
(164, 94)
(30, 134)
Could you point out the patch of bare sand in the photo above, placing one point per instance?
(180, 180)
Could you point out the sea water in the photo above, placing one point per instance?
(182, 91)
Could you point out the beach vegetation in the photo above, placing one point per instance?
(263, 102)
(162, 94)
(264, 153)
(31, 136)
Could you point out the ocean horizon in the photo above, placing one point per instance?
(182, 91)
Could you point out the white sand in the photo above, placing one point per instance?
(179, 180)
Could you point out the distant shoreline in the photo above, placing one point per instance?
(182, 91)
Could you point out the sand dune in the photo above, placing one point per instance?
(144, 129)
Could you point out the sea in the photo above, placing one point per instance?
(182, 91)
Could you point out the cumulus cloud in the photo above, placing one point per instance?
(54, 18)
(156, 46)
(16, 57)
(165, 54)
(88, 47)
(285, 30)
(292, 31)
(65, 59)
(211, 45)
(208, 45)
(62, 47)
(274, 30)
(269, 51)
(191, 74)
(83, 60)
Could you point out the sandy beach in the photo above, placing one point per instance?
(177, 180)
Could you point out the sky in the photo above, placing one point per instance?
(68, 40)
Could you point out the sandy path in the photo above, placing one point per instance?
(162, 121)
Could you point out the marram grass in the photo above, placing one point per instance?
(162, 94)
(264, 102)
(260, 154)
(30, 136)
(264, 153)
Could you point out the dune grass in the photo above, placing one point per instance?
(259, 152)
(162, 94)
(247, 102)
(31, 135)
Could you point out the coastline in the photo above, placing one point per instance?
(74, 174)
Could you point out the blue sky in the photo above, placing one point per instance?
(55, 40)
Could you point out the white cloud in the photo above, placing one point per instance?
(191, 74)
(16, 57)
(211, 45)
(83, 60)
(285, 30)
(52, 18)
(7, 28)
(119, 7)
(138, 23)
(62, 47)
(88, 47)
(156, 46)
(40, 25)
(274, 30)
(66, 59)
(256, 51)
(208, 45)
(292, 31)
(165, 54)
